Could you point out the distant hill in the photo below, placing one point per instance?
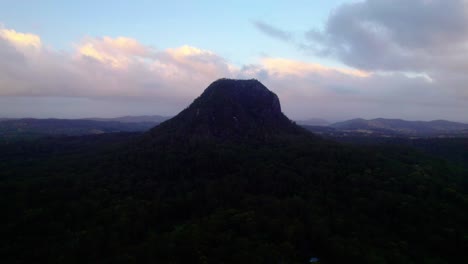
(134, 119)
(313, 122)
(30, 127)
(380, 127)
(403, 127)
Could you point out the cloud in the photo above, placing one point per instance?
(20, 39)
(418, 37)
(106, 68)
(396, 35)
(283, 66)
(272, 31)
(116, 52)
(120, 76)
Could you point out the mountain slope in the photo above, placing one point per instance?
(230, 110)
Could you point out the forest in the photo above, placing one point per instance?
(113, 198)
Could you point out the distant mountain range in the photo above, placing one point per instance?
(134, 119)
(379, 127)
(403, 127)
(31, 128)
(313, 122)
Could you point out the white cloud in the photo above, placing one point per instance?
(20, 39)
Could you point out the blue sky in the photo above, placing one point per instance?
(327, 59)
(224, 27)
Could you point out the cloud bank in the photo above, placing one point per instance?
(390, 39)
(397, 35)
(105, 76)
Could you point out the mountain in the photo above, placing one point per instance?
(230, 110)
(156, 119)
(403, 127)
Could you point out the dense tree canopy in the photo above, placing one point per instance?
(111, 199)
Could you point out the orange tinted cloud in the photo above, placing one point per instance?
(20, 39)
(128, 45)
(204, 62)
(186, 51)
(117, 52)
(281, 66)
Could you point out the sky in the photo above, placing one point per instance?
(334, 60)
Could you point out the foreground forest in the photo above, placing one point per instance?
(74, 200)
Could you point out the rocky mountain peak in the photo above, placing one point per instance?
(230, 110)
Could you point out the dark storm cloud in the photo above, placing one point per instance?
(272, 31)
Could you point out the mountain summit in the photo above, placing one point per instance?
(230, 110)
